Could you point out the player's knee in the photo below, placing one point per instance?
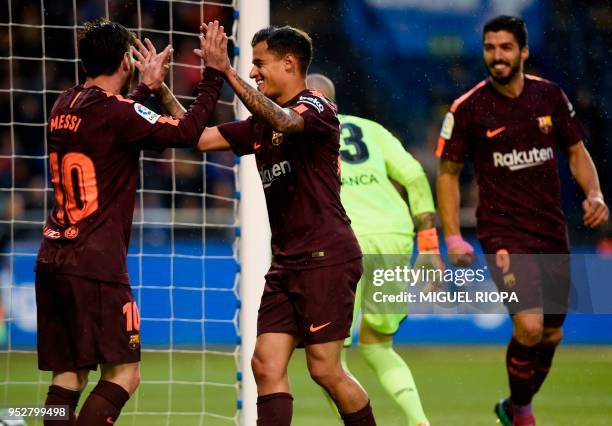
(83, 378)
(265, 371)
(125, 375)
(529, 333)
(134, 381)
(552, 336)
(325, 373)
(75, 381)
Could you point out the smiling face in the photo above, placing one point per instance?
(503, 56)
(270, 71)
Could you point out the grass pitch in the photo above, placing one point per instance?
(458, 386)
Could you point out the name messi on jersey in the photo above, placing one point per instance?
(65, 121)
(517, 160)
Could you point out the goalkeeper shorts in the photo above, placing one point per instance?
(376, 250)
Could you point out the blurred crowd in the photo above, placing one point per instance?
(37, 83)
(575, 53)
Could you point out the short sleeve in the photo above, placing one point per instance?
(453, 140)
(568, 126)
(319, 114)
(241, 136)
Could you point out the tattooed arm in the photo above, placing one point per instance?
(169, 102)
(281, 119)
(213, 50)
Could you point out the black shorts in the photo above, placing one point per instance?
(315, 305)
(540, 281)
(84, 322)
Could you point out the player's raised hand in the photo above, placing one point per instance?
(596, 211)
(213, 46)
(460, 252)
(151, 65)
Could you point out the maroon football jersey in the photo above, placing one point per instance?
(94, 139)
(513, 144)
(300, 173)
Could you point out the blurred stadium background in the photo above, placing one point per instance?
(399, 62)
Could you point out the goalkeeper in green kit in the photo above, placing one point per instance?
(371, 156)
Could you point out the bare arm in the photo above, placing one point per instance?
(425, 221)
(447, 188)
(595, 210)
(169, 102)
(153, 68)
(282, 119)
(214, 52)
(212, 140)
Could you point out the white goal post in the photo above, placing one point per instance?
(255, 230)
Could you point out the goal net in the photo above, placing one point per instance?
(183, 252)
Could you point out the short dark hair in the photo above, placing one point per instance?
(101, 45)
(284, 40)
(512, 24)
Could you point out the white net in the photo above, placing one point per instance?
(182, 257)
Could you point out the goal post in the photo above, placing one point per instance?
(255, 230)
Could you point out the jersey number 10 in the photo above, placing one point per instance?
(76, 187)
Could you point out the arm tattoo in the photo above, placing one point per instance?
(169, 103)
(425, 221)
(449, 167)
(265, 109)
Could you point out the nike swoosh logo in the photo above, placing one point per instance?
(110, 421)
(314, 329)
(256, 146)
(493, 133)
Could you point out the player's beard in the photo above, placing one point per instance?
(125, 89)
(514, 69)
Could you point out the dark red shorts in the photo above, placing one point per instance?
(315, 305)
(83, 323)
(540, 281)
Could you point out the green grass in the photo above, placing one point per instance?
(458, 386)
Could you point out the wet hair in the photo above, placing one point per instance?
(512, 24)
(101, 45)
(287, 40)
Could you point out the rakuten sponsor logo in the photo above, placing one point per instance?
(272, 173)
(517, 160)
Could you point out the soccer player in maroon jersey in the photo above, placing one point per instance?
(512, 126)
(86, 312)
(310, 288)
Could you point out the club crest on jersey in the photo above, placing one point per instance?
(545, 124)
(134, 341)
(146, 113)
(277, 138)
(71, 233)
(509, 280)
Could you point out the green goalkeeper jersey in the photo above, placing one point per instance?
(370, 156)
